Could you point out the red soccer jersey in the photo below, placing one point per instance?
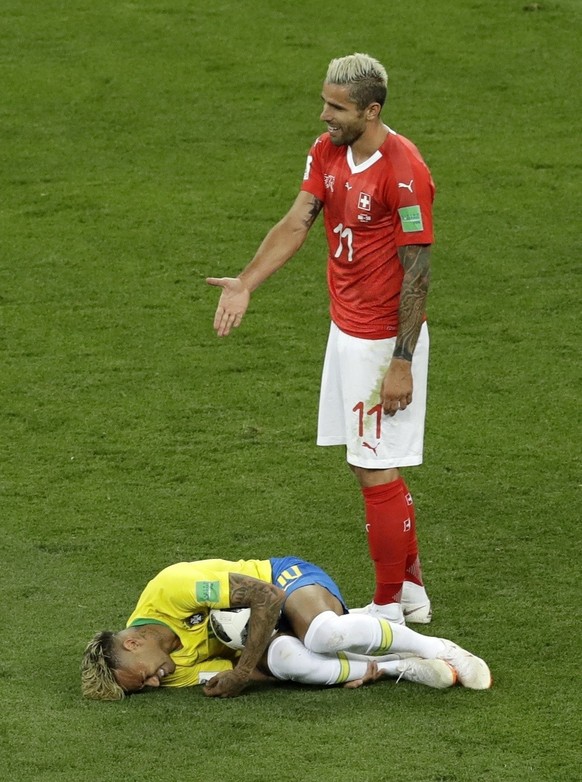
(370, 210)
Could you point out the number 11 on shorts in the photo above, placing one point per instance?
(376, 410)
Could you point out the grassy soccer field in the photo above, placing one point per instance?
(147, 145)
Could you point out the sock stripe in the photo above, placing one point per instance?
(386, 640)
(344, 668)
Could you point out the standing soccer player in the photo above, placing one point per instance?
(376, 193)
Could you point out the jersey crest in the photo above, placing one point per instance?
(365, 202)
(329, 181)
(194, 619)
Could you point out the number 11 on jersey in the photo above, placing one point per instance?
(376, 410)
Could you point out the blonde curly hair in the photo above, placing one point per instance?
(97, 669)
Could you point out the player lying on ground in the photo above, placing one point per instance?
(167, 642)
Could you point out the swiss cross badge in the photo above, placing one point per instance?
(365, 202)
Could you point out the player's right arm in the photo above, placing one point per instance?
(265, 601)
(278, 246)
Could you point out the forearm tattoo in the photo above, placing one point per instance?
(415, 260)
(249, 591)
(314, 209)
(265, 602)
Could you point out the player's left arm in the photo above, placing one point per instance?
(397, 386)
(265, 601)
(415, 260)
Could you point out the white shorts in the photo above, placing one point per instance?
(350, 413)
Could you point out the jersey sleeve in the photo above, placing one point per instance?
(188, 586)
(410, 197)
(313, 179)
(201, 673)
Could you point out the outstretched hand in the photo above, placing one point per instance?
(232, 304)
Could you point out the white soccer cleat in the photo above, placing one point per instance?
(391, 611)
(415, 604)
(433, 673)
(472, 672)
(417, 613)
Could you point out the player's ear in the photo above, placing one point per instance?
(131, 642)
(373, 111)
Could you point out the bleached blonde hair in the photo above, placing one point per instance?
(365, 76)
(99, 661)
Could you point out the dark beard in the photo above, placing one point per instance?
(349, 140)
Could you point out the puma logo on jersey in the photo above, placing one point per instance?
(373, 448)
(405, 186)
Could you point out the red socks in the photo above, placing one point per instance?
(413, 569)
(391, 529)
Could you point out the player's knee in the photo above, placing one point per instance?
(325, 634)
(286, 658)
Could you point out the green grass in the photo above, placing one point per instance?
(147, 145)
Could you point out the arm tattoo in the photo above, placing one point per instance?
(415, 259)
(265, 601)
(314, 210)
(249, 591)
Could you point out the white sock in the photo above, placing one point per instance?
(406, 640)
(414, 593)
(289, 660)
(358, 633)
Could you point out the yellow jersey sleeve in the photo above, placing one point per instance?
(200, 673)
(180, 590)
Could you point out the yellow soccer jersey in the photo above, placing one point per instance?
(180, 597)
